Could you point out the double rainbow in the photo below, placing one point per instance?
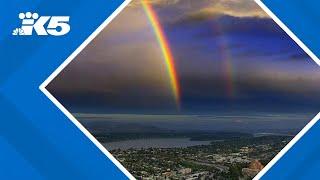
(165, 48)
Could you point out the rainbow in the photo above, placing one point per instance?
(227, 66)
(165, 48)
(228, 69)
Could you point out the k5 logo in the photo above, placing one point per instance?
(57, 25)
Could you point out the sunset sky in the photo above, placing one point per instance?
(228, 56)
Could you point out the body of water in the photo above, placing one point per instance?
(154, 143)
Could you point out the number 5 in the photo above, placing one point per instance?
(58, 21)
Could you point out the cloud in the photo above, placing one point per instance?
(245, 8)
(135, 3)
(236, 8)
(230, 9)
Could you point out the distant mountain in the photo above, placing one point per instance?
(107, 127)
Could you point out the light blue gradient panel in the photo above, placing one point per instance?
(37, 141)
(302, 161)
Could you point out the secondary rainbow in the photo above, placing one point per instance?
(227, 66)
(165, 48)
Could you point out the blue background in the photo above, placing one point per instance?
(36, 139)
(302, 161)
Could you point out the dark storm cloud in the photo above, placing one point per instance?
(215, 43)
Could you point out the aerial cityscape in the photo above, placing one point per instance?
(150, 149)
(231, 159)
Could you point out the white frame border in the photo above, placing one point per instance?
(316, 118)
(43, 86)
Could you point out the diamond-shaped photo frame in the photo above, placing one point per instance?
(43, 87)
